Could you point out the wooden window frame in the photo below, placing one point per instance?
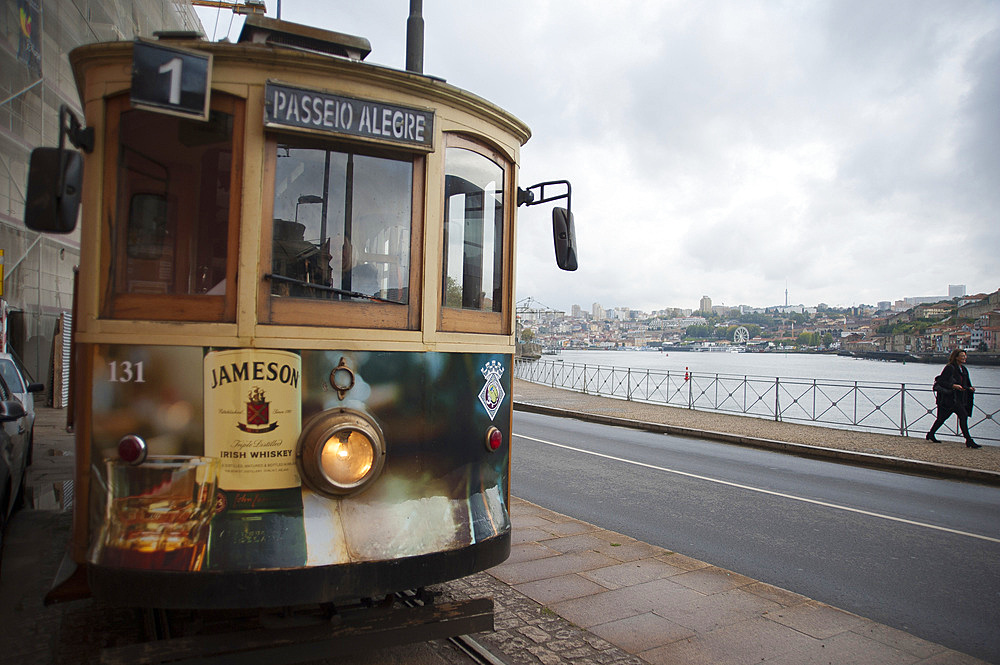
(169, 307)
(342, 314)
(453, 319)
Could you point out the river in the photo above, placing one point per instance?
(783, 365)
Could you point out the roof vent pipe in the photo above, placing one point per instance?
(415, 38)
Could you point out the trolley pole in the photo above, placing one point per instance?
(415, 38)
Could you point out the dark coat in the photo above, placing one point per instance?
(945, 392)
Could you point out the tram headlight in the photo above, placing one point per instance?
(341, 451)
(346, 457)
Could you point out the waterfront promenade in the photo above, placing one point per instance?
(950, 457)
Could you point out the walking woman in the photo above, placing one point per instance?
(954, 390)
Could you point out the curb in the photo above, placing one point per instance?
(869, 460)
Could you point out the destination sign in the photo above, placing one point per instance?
(335, 114)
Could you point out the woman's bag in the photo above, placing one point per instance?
(942, 386)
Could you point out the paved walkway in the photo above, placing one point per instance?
(665, 608)
(569, 593)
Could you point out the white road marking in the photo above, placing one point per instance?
(764, 491)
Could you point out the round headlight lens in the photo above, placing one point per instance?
(346, 457)
(341, 451)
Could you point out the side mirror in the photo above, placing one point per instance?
(564, 235)
(11, 410)
(36, 387)
(563, 232)
(55, 178)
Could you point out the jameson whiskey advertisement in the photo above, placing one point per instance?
(253, 417)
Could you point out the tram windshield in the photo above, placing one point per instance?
(341, 225)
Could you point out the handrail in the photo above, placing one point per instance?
(900, 408)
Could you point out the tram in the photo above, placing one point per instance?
(293, 319)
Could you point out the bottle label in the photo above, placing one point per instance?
(253, 417)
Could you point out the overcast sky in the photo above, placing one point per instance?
(848, 150)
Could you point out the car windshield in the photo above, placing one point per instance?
(11, 376)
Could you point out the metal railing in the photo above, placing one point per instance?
(900, 408)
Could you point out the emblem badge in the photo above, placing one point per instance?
(258, 414)
(492, 393)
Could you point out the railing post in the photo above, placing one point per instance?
(777, 403)
(814, 401)
(585, 378)
(690, 379)
(628, 385)
(902, 409)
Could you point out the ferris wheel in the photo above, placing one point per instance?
(741, 335)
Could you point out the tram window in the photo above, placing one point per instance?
(171, 239)
(147, 226)
(474, 260)
(342, 226)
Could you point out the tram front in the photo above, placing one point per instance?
(294, 332)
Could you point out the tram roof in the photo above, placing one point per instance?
(263, 30)
(307, 46)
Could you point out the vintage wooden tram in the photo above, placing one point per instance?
(294, 320)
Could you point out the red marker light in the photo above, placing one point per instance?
(132, 449)
(494, 439)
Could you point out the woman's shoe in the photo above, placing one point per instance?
(930, 437)
(969, 443)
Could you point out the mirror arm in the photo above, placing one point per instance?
(527, 196)
(80, 136)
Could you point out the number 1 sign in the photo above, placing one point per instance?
(171, 80)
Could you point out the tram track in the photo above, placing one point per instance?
(476, 652)
(408, 620)
(465, 644)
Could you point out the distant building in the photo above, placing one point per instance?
(706, 305)
(956, 290)
(923, 300)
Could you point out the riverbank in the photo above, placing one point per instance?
(974, 358)
(950, 453)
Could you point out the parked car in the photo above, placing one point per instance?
(13, 454)
(19, 384)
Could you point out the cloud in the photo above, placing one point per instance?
(849, 149)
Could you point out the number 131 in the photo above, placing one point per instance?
(126, 372)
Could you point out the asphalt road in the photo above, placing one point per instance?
(918, 554)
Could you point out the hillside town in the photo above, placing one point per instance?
(918, 328)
